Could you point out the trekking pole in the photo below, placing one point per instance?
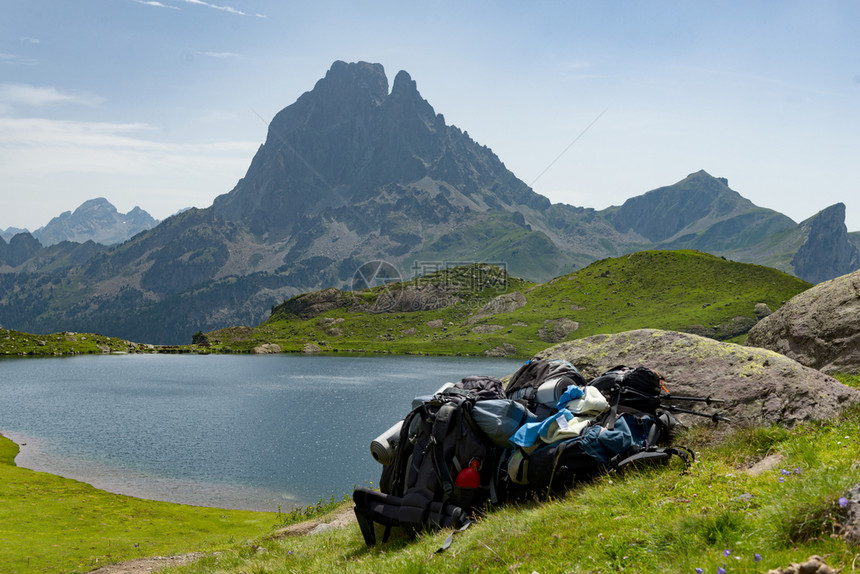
(716, 417)
(708, 400)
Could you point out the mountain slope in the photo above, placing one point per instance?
(681, 210)
(481, 310)
(351, 173)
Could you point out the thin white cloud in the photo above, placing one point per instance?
(156, 4)
(59, 159)
(17, 95)
(229, 9)
(29, 40)
(219, 55)
(16, 60)
(39, 145)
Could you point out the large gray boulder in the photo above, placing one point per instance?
(819, 328)
(758, 385)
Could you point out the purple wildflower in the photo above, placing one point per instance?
(721, 570)
(843, 502)
(727, 552)
(797, 470)
(699, 571)
(757, 557)
(782, 479)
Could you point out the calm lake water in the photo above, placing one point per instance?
(252, 432)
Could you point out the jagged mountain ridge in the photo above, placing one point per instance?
(827, 250)
(351, 173)
(10, 232)
(95, 220)
(350, 139)
(351, 169)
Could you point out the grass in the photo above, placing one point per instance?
(652, 519)
(658, 519)
(17, 343)
(53, 524)
(674, 290)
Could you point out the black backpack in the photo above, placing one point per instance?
(444, 468)
(638, 391)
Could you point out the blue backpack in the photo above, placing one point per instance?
(616, 420)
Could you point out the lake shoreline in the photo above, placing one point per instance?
(254, 432)
(34, 455)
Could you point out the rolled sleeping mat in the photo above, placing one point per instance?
(551, 390)
(384, 446)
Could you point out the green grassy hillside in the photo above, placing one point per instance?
(674, 290)
(16, 343)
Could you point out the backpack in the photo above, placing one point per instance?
(631, 426)
(469, 444)
(445, 462)
(539, 383)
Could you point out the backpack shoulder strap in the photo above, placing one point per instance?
(402, 453)
(441, 424)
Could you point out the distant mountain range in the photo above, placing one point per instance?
(95, 220)
(351, 173)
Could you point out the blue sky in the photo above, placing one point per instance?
(162, 104)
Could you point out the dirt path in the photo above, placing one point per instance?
(156, 563)
(147, 565)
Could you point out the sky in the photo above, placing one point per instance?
(162, 104)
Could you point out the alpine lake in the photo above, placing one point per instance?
(254, 432)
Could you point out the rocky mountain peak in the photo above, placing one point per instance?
(827, 251)
(97, 220)
(405, 102)
(348, 142)
(93, 205)
(355, 80)
(666, 212)
(404, 84)
(10, 232)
